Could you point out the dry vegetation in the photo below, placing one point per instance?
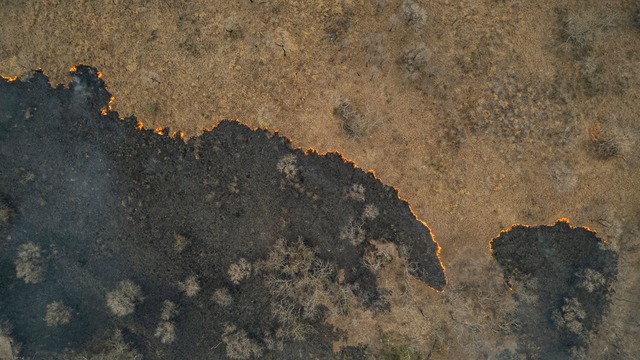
(190, 286)
(114, 348)
(239, 271)
(9, 349)
(299, 283)
(30, 263)
(57, 314)
(239, 345)
(123, 299)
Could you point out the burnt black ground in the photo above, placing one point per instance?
(555, 259)
(105, 202)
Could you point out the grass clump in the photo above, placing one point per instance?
(152, 108)
(353, 123)
(602, 145)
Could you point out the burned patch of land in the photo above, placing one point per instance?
(562, 278)
(122, 241)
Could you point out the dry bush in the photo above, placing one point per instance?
(222, 297)
(580, 30)
(570, 316)
(239, 271)
(5, 214)
(239, 345)
(181, 242)
(169, 310)
(482, 313)
(377, 254)
(416, 61)
(370, 212)
(602, 144)
(9, 349)
(288, 165)
(353, 122)
(190, 286)
(29, 263)
(115, 349)
(353, 232)
(591, 280)
(122, 300)
(413, 14)
(57, 314)
(166, 331)
(299, 283)
(355, 192)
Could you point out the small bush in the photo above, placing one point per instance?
(297, 280)
(416, 61)
(57, 314)
(222, 297)
(190, 286)
(116, 349)
(181, 242)
(9, 348)
(353, 122)
(370, 212)
(5, 213)
(603, 145)
(239, 345)
(570, 316)
(353, 232)
(413, 14)
(122, 300)
(355, 192)
(169, 310)
(239, 271)
(397, 352)
(152, 108)
(288, 166)
(166, 331)
(29, 263)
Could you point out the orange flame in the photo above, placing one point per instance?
(139, 125)
(178, 134)
(559, 220)
(9, 78)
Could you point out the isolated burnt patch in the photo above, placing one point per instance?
(562, 277)
(204, 225)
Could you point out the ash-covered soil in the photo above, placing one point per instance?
(565, 276)
(122, 241)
